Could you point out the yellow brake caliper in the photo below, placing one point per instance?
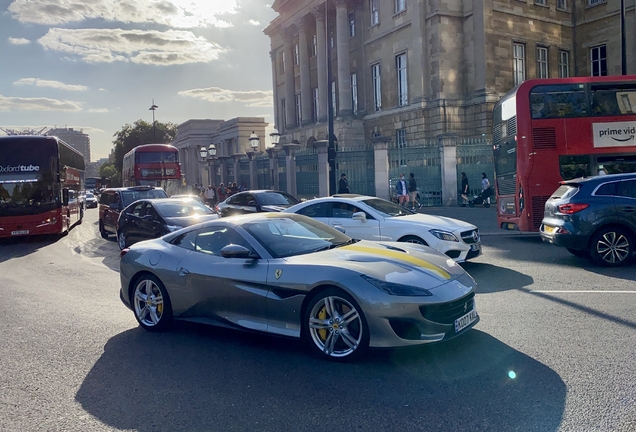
(322, 315)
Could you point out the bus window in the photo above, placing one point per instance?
(613, 99)
(575, 166)
(558, 101)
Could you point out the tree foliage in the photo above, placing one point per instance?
(139, 133)
(107, 170)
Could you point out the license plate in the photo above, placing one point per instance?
(21, 232)
(549, 229)
(463, 322)
(475, 247)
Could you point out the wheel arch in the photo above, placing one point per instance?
(406, 236)
(630, 230)
(135, 279)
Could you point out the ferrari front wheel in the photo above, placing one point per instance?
(335, 326)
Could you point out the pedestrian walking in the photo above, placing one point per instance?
(402, 191)
(415, 204)
(465, 189)
(485, 185)
(221, 192)
(343, 184)
(210, 195)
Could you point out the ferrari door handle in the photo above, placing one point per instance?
(183, 271)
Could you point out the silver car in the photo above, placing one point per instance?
(290, 275)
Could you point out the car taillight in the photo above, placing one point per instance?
(571, 208)
(123, 252)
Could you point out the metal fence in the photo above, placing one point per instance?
(359, 165)
(422, 158)
(474, 156)
(307, 173)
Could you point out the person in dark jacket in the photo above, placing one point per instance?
(465, 189)
(415, 204)
(343, 184)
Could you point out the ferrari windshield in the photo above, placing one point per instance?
(297, 235)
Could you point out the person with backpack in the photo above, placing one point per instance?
(413, 193)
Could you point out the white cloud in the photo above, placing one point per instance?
(173, 13)
(255, 98)
(101, 89)
(98, 110)
(138, 46)
(37, 104)
(18, 41)
(48, 83)
(254, 22)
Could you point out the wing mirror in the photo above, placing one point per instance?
(238, 251)
(361, 216)
(339, 228)
(114, 206)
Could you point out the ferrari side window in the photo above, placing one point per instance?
(211, 241)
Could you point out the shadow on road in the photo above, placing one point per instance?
(492, 279)
(200, 378)
(16, 247)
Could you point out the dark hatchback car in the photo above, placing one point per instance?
(113, 200)
(153, 218)
(255, 201)
(594, 217)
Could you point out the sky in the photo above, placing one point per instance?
(97, 65)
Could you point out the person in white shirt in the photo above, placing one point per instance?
(210, 195)
(485, 184)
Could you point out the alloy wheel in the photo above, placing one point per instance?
(148, 303)
(121, 239)
(613, 247)
(336, 327)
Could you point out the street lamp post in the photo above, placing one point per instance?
(254, 144)
(154, 125)
(203, 154)
(623, 41)
(273, 158)
(211, 163)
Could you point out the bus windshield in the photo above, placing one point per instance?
(27, 179)
(146, 157)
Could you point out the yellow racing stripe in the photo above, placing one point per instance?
(399, 256)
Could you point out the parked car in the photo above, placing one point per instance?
(193, 197)
(151, 218)
(594, 217)
(254, 202)
(290, 275)
(370, 218)
(113, 200)
(90, 200)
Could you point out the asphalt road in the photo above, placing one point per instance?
(554, 351)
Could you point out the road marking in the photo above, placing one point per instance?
(583, 291)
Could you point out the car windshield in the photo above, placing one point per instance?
(277, 198)
(387, 208)
(181, 208)
(130, 196)
(89, 195)
(291, 236)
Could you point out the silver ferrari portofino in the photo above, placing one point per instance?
(290, 275)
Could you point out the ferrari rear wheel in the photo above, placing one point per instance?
(151, 304)
(335, 326)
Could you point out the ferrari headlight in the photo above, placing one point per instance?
(397, 289)
(172, 228)
(443, 235)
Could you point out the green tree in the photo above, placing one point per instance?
(139, 133)
(107, 170)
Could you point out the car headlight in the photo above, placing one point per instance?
(397, 289)
(173, 227)
(443, 235)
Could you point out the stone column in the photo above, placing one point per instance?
(323, 168)
(305, 83)
(290, 87)
(381, 166)
(273, 167)
(344, 71)
(224, 161)
(237, 167)
(290, 162)
(321, 60)
(448, 158)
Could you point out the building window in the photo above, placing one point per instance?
(296, 55)
(316, 112)
(299, 115)
(595, 2)
(562, 4)
(400, 6)
(403, 85)
(334, 99)
(598, 56)
(519, 63)
(375, 13)
(377, 86)
(354, 92)
(400, 138)
(564, 64)
(282, 62)
(542, 62)
(314, 45)
(283, 109)
(352, 24)
(540, 2)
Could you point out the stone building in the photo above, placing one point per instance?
(409, 71)
(231, 139)
(76, 138)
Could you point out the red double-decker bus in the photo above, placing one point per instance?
(41, 181)
(153, 165)
(549, 130)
